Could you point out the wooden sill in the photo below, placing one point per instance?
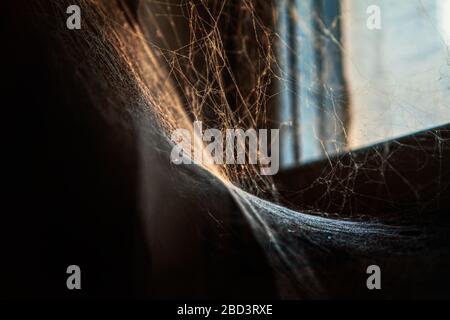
(409, 174)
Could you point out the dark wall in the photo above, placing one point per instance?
(73, 189)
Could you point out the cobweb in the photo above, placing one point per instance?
(203, 79)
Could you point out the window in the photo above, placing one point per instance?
(347, 86)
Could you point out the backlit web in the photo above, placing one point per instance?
(229, 74)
